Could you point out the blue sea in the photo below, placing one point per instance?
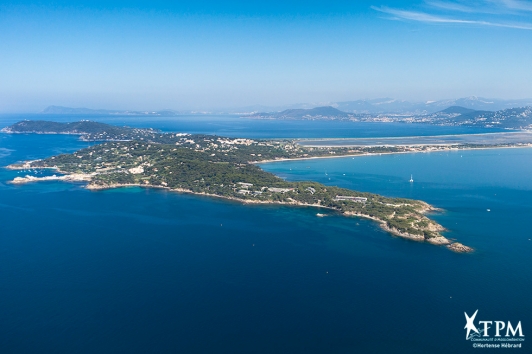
(235, 126)
(147, 271)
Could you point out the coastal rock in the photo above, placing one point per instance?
(93, 186)
(75, 177)
(439, 240)
(27, 165)
(432, 226)
(394, 231)
(460, 248)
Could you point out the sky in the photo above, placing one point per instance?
(208, 55)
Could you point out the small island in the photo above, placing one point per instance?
(219, 167)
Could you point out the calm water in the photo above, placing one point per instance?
(135, 270)
(234, 126)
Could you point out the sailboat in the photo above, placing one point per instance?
(411, 179)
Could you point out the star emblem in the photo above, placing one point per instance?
(470, 325)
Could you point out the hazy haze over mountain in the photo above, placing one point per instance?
(388, 105)
(205, 55)
(375, 106)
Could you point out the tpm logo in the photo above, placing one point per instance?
(493, 334)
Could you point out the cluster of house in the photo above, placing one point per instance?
(238, 141)
(244, 189)
(351, 199)
(279, 190)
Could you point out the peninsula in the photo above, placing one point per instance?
(221, 167)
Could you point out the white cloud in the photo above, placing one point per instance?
(516, 4)
(453, 6)
(482, 6)
(430, 18)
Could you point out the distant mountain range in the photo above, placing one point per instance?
(88, 111)
(394, 106)
(512, 118)
(296, 111)
(388, 105)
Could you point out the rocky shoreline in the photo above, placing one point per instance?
(75, 177)
(439, 240)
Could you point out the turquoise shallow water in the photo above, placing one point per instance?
(136, 270)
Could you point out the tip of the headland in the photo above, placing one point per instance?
(460, 248)
(436, 210)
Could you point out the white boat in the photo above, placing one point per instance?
(320, 215)
(411, 179)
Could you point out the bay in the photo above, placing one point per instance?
(139, 270)
(236, 126)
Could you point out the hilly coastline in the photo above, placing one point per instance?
(512, 118)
